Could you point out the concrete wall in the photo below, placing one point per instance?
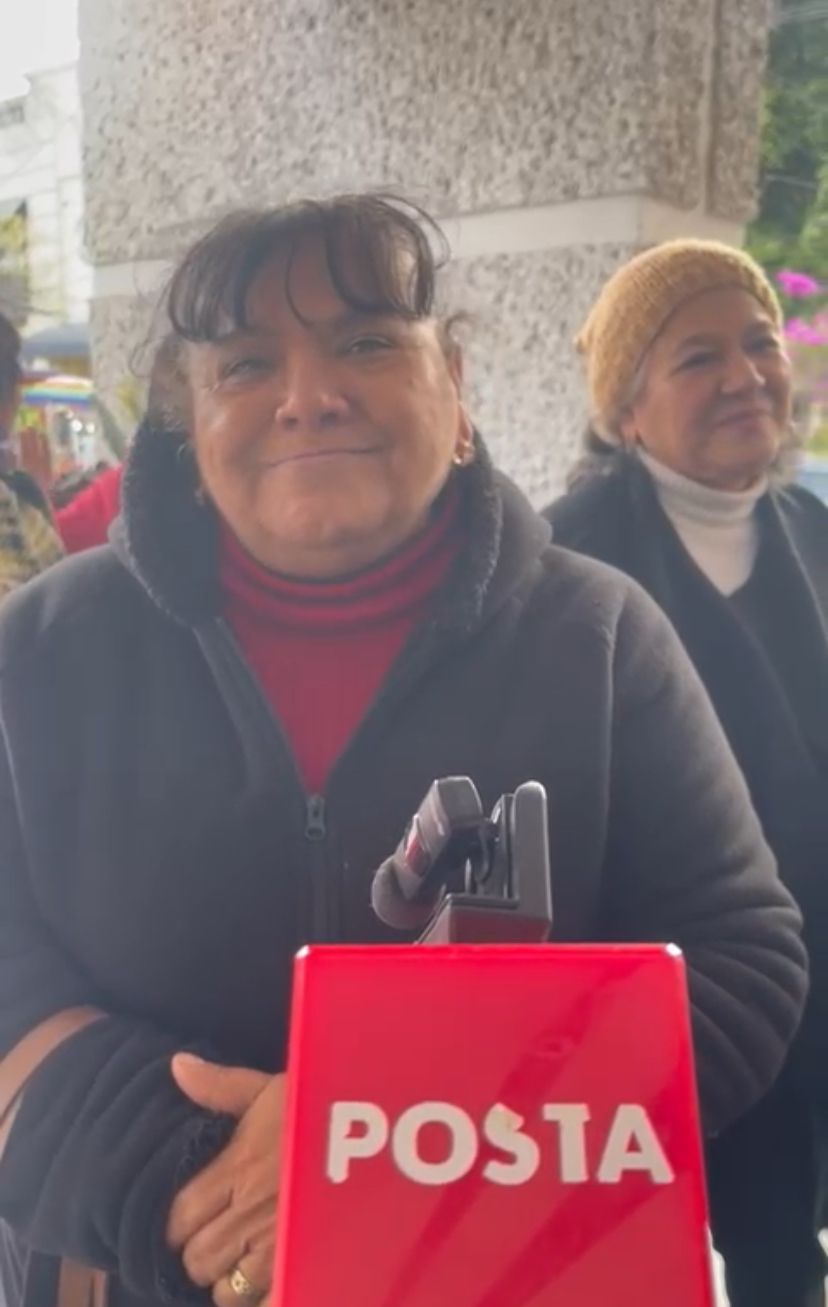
(555, 137)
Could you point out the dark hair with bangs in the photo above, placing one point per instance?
(382, 253)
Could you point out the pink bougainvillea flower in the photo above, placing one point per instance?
(807, 333)
(798, 285)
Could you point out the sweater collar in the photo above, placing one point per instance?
(691, 501)
(168, 539)
(397, 587)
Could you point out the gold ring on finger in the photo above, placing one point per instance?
(241, 1286)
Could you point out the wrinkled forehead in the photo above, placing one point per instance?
(722, 312)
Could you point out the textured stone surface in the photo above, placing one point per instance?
(194, 105)
(524, 381)
(121, 329)
(740, 58)
(472, 106)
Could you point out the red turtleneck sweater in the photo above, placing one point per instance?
(321, 650)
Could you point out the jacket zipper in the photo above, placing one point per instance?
(315, 829)
(324, 876)
(323, 882)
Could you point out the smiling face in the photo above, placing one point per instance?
(323, 434)
(716, 398)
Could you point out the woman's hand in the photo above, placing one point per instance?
(224, 1219)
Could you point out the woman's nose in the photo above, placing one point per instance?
(742, 373)
(310, 395)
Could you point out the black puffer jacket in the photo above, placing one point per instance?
(156, 856)
(769, 687)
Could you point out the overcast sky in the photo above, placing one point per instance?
(36, 34)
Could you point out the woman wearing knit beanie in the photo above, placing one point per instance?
(681, 487)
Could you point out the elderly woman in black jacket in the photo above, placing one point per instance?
(320, 596)
(682, 489)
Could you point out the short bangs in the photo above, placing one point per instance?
(382, 253)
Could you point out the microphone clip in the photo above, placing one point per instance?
(487, 876)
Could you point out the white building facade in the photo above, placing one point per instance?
(45, 280)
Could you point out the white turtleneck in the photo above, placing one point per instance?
(718, 528)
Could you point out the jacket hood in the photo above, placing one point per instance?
(167, 537)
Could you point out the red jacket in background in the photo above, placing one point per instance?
(85, 521)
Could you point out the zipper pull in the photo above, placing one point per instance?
(315, 818)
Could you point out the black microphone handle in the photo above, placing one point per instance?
(391, 905)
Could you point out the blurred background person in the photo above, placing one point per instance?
(84, 504)
(28, 540)
(682, 487)
(84, 511)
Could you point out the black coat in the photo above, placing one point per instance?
(779, 733)
(156, 857)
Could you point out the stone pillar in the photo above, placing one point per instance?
(554, 137)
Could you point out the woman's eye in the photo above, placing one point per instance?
(368, 345)
(697, 361)
(762, 344)
(245, 367)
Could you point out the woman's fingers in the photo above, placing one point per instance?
(230, 1206)
(230, 1089)
(198, 1204)
(248, 1283)
(220, 1246)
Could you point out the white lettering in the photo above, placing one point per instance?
(571, 1119)
(345, 1147)
(462, 1147)
(502, 1128)
(632, 1145)
(358, 1131)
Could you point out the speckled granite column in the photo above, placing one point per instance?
(557, 136)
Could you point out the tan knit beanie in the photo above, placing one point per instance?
(637, 302)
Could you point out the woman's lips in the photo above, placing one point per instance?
(319, 455)
(744, 415)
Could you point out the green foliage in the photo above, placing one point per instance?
(818, 444)
(791, 229)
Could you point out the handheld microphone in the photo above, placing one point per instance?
(442, 836)
(464, 876)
